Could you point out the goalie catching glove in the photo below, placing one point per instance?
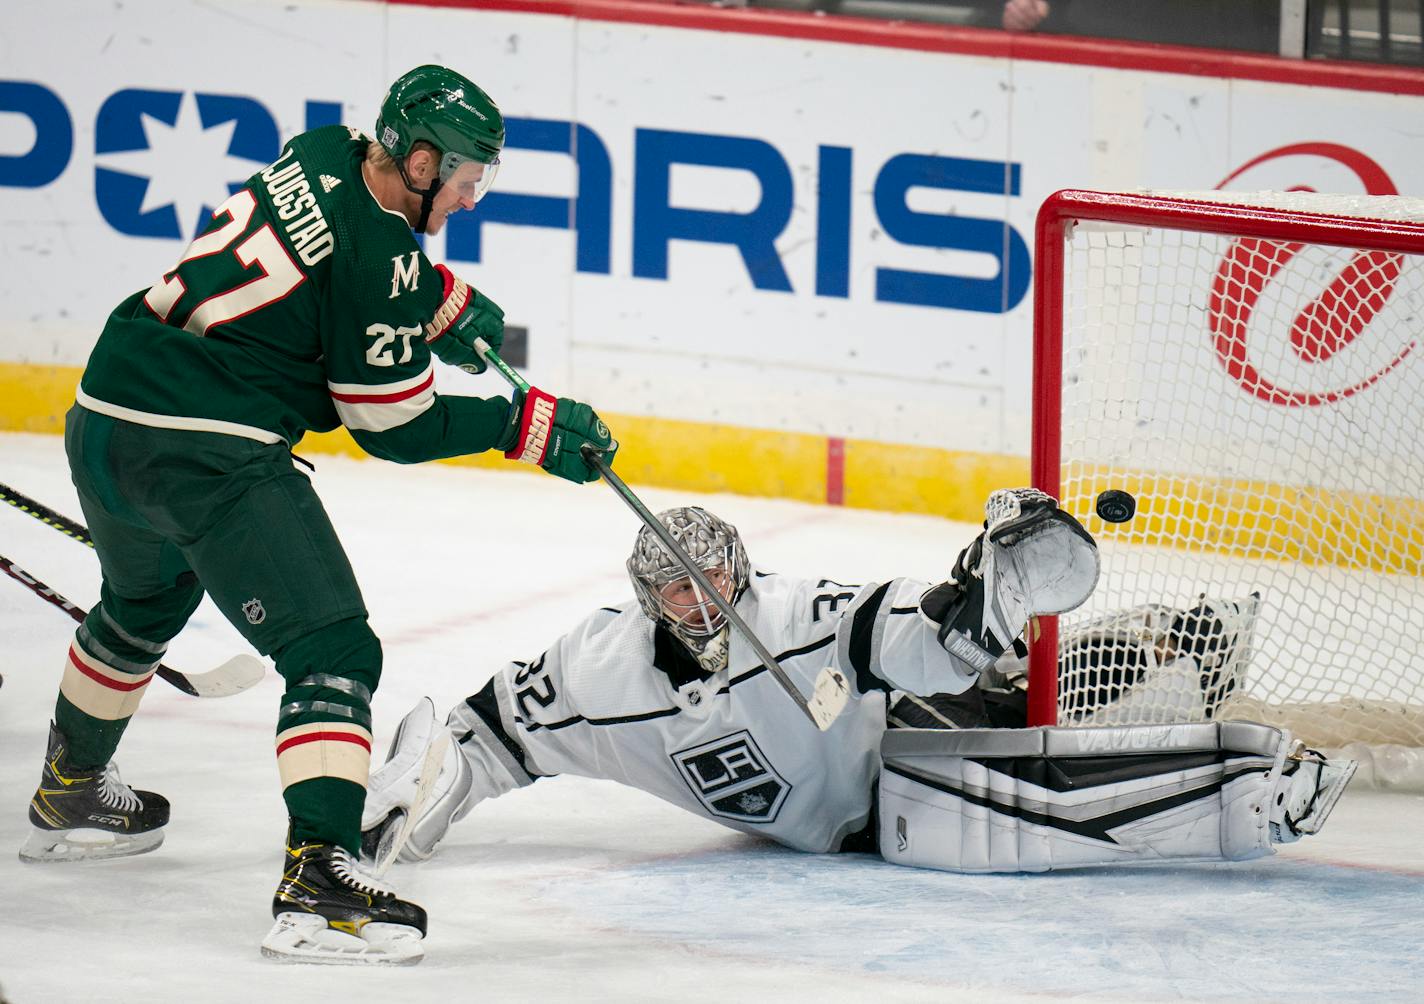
(464, 315)
(1032, 558)
(551, 432)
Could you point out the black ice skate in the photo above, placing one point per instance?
(82, 815)
(329, 910)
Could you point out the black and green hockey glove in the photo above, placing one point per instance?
(464, 315)
(551, 432)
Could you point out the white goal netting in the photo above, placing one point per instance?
(1263, 400)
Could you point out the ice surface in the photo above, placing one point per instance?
(577, 889)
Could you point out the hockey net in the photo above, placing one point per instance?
(1248, 367)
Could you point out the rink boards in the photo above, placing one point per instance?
(776, 279)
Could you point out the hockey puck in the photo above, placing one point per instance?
(1115, 506)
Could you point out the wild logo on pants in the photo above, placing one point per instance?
(732, 778)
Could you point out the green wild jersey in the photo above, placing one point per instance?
(301, 307)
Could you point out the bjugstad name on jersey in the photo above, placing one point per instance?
(290, 192)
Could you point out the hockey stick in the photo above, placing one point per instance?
(232, 677)
(46, 515)
(831, 691)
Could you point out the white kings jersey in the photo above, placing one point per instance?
(619, 700)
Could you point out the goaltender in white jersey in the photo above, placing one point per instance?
(658, 693)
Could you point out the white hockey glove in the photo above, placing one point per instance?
(1032, 558)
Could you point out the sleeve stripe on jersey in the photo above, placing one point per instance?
(488, 727)
(621, 720)
(664, 713)
(378, 407)
(782, 657)
(863, 647)
(360, 393)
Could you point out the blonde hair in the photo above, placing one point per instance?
(378, 158)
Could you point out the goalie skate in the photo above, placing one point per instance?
(1316, 784)
(89, 814)
(329, 911)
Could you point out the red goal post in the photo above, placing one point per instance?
(1247, 365)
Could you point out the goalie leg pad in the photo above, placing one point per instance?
(475, 764)
(1009, 800)
(412, 798)
(391, 786)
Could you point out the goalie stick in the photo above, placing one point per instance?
(232, 677)
(831, 691)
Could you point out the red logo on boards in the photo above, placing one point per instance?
(1326, 325)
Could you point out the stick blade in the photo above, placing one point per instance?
(829, 699)
(239, 673)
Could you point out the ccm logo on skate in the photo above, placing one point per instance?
(732, 778)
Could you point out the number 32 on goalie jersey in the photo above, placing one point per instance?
(232, 291)
(832, 598)
(540, 688)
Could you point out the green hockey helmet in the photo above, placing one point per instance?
(448, 111)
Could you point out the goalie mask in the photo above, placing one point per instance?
(667, 593)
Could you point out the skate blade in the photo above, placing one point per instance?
(306, 937)
(52, 846)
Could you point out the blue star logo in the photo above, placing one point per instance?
(166, 159)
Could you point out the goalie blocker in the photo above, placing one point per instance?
(1012, 800)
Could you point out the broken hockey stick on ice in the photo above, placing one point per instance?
(232, 677)
(831, 692)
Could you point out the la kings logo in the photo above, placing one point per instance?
(732, 778)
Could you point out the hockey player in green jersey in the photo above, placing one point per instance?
(306, 305)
